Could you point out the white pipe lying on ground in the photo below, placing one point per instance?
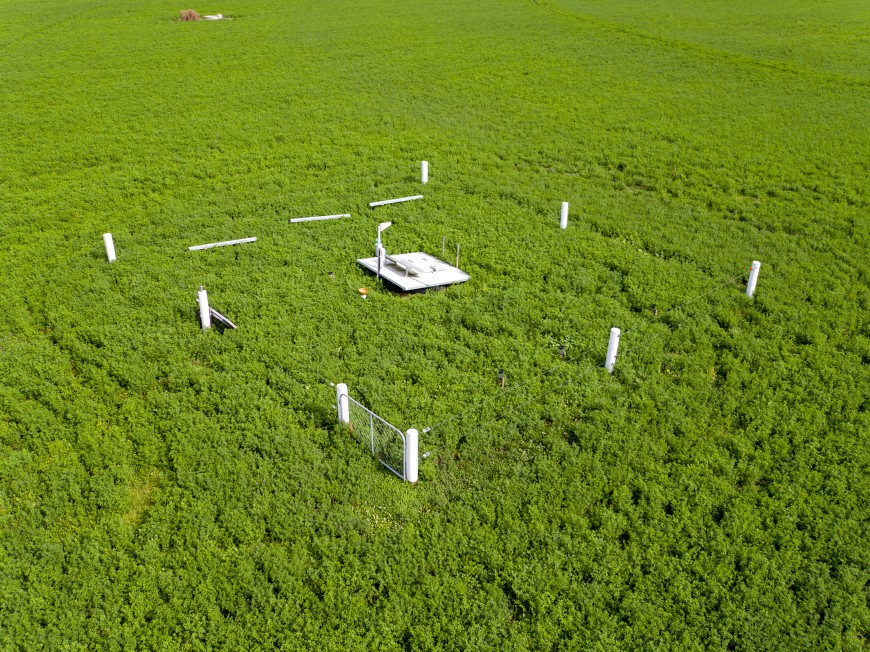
(394, 201)
(221, 244)
(319, 217)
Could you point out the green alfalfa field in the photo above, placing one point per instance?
(167, 488)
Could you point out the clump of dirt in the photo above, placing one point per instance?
(188, 14)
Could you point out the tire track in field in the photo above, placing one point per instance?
(37, 32)
(709, 53)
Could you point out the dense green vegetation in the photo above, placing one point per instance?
(165, 488)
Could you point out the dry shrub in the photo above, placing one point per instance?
(188, 14)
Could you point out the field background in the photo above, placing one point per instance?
(165, 488)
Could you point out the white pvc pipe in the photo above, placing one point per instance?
(221, 244)
(563, 221)
(204, 312)
(424, 171)
(753, 278)
(110, 247)
(380, 251)
(394, 201)
(412, 455)
(341, 402)
(612, 348)
(319, 217)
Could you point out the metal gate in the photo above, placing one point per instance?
(384, 440)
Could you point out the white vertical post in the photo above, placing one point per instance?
(204, 312)
(341, 402)
(424, 171)
(457, 256)
(563, 221)
(412, 455)
(753, 278)
(110, 247)
(612, 348)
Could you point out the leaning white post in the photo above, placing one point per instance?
(612, 347)
(424, 171)
(341, 402)
(753, 278)
(412, 459)
(204, 312)
(563, 221)
(110, 247)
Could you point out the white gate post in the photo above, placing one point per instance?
(753, 278)
(612, 347)
(341, 402)
(412, 455)
(563, 221)
(110, 247)
(204, 313)
(424, 171)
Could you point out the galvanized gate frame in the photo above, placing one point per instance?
(383, 439)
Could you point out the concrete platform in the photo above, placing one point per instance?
(415, 271)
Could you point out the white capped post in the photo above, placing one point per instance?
(424, 171)
(412, 455)
(380, 252)
(383, 226)
(753, 278)
(563, 222)
(612, 347)
(204, 312)
(110, 247)
(341, 402)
